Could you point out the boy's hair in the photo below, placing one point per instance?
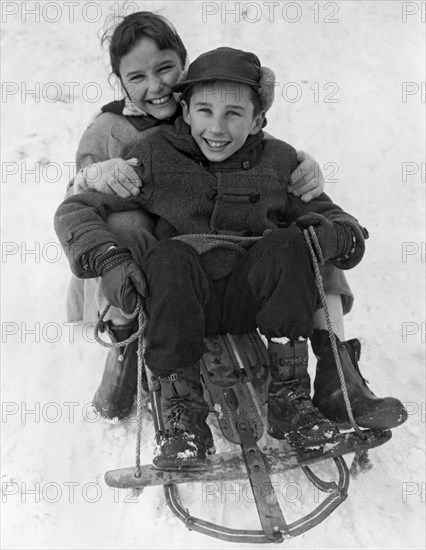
(142, 24)
(253, 96)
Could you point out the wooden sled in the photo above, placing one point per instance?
(235, 374)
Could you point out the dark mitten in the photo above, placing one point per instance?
(336, 239)
(122, 278)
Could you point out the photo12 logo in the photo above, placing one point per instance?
(56, 12)
(252, 12)
(72, 492)
(413, 11)
(414, 91)
(410, 488)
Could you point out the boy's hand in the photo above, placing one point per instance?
(114, 177)
(336, 239)
(326, 233)
(122, 278)
(307, 180)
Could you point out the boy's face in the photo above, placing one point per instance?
(221, 118)
(148, 75)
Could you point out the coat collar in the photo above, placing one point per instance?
(137, 118)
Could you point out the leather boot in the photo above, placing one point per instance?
(187, 438)
(291, 414)
(369, 410)
(115, 395)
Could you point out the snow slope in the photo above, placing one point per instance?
(55, 451)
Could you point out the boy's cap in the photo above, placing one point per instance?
(223, 64)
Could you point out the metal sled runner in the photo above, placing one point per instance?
(235, 373)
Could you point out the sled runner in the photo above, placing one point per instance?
(235, 374)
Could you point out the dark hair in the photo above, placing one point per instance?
(122, 37)
(253, 96)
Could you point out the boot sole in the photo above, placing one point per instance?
(387, 420)
(304, 443)
(173, 465)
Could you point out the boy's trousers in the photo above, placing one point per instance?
(134, 230)
(271, 288)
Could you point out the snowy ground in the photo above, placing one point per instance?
(367, 57)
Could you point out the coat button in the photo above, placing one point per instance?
(70, 236)
(254, 198)
(211, 194)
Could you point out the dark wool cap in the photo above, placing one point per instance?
(222, 64)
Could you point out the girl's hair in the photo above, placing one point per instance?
(122, 37)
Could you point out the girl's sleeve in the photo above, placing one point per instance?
(93, 146)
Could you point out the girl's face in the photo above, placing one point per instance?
(148, 75)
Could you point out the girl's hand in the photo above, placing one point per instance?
(114, 177)
(307, 181)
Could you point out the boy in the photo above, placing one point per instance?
(212, 181)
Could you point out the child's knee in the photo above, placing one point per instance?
(173, 267)
(287, 243)
(130, 221)
(133, 229)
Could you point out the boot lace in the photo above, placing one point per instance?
(293, 393)
(179, 409)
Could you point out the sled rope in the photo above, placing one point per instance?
(136, 313)
(317, 257)
(214, 236)
(142, 324)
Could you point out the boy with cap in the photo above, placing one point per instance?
(217, 186)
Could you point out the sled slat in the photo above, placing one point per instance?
(227, 390)
(230, 465)
(255, 361)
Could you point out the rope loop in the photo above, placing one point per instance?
(139, 335)
(142, 323)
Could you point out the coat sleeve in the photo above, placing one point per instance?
(325, 206)
(96, 143)
(81, 220)
(80, 224)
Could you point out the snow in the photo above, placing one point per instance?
(55, 450)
